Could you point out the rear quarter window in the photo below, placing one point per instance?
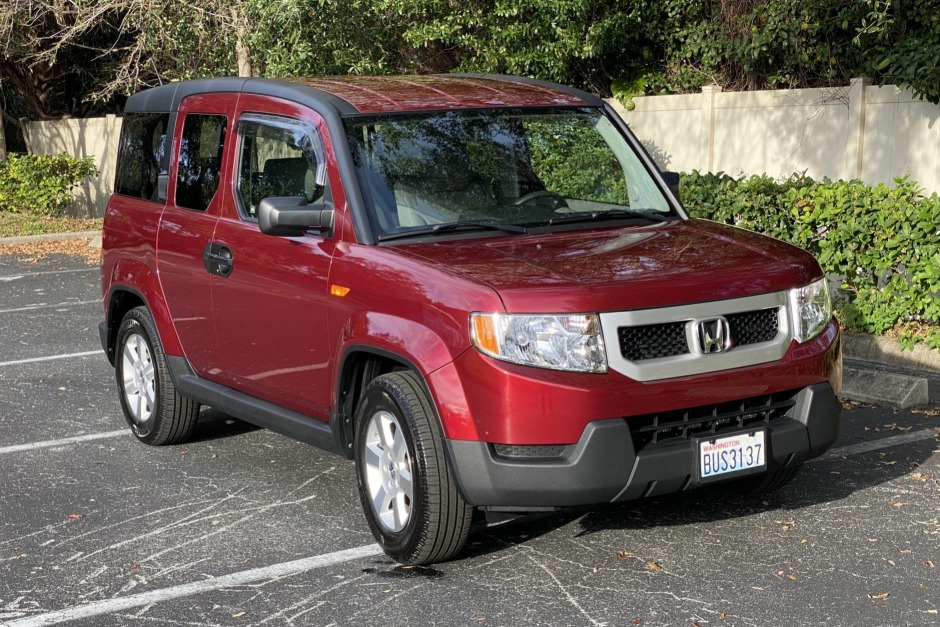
(141, 155)
(200, 162)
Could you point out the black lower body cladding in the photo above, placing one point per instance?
(605, 465)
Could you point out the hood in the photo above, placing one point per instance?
(614, 269)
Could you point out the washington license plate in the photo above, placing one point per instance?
(732, 454)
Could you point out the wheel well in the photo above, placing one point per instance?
(121, 302)
(359, 369)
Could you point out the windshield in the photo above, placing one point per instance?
(502, 167)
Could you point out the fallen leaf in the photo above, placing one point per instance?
(880, 597)
(637, 621)
(920, 476)
(892, 562)
(479, 619)
(75, 516)
(928, 564)
(898, 504)
(239, 614)
(653, 566)
(791, 577)
(624, 554)
(722, 616)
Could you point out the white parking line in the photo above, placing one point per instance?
(52, 306)
(14, 277)
(875, 445)
(107, 606)
(60, 442)
(34, 360)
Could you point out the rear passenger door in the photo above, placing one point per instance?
(270, 311)
(198, 173)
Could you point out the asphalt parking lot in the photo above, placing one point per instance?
(244, 527)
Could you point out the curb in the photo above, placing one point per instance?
(877, 387)
(881, 373)
(887, 351)
(51, 237)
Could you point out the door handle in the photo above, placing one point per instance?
(218, 259)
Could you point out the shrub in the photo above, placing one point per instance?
(41, 184)
(881, 242)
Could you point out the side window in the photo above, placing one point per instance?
(140, 154)
(278, 157)
(200, 162)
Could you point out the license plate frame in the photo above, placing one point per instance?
(745, 453)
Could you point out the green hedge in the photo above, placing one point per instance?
(41, 184)
(882, 242)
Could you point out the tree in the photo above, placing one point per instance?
(65, 57)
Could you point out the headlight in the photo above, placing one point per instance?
(810, 309)
(560, 342)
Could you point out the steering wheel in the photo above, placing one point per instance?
(557, 199)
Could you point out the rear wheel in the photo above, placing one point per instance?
(153, 409)
(407, 492)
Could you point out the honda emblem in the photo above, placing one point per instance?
(714, 335)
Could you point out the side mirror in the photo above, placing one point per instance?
(290, 216)
(672, 182)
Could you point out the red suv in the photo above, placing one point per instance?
(480, 288)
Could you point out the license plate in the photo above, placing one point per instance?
(732, 454)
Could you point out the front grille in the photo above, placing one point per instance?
(531, 450)
(753, 327)
(668, 339)
(652, 341)
(683, 424)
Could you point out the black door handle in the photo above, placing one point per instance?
(218, 259)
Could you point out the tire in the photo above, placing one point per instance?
(767, 482)
(408, 494)
(153, 409)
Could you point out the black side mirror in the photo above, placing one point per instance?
(672, 182)
(291, 216)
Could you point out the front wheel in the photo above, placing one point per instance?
(154, 410)
(408, 494)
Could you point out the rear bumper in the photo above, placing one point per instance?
(604, 465)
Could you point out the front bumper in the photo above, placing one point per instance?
(604, 465)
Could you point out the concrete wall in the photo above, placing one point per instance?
(89, 137)
(858, 131)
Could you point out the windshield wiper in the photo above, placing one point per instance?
(610, 214)
(468, 225)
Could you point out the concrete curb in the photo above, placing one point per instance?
(877, 387)
(887, 351)
(50, 237)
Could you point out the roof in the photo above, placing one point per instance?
(355, 95)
